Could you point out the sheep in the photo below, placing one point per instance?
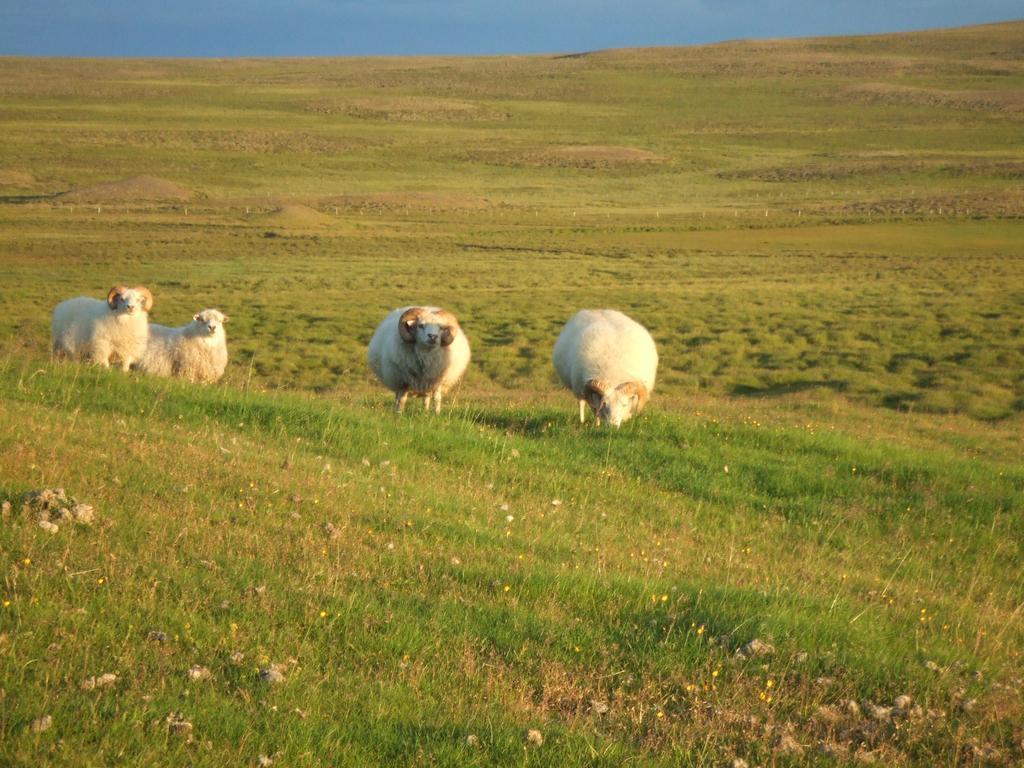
(419, 351)
(609, 361)
(196, 351)
(103, 332)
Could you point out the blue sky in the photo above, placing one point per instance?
(405, 27)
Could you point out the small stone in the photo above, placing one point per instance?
(272, 675)
(878, 712)
(237, 657)
(756, 647)
(903, 702)
(473, 740)
(41, 724)
(263, 761)
(739, 762)
(931, 665)
(598, 707)
(103, 681)
(456, 561)
(49, 527)
(198, 672)
(83, 514)
(535, 737)
(178, 726)
(155, 636)
(330, 531)
(556, 502)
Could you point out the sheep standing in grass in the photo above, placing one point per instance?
(609, 361)
(197, 351)
(419, 351)
(103, 332)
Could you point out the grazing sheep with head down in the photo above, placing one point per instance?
(419, 351)
(196, 352)
(609, 361)
(103, 332)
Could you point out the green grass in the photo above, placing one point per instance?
(442, 618)
(824, 237)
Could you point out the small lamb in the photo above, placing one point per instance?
(103, 332)
(419, 351)
(609, 361)
(196, 352)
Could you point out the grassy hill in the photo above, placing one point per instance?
(824, 237)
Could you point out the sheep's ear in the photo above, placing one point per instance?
(451, 326)
(147, 297)
(196, 317)
(637, 391)
(224, 318)
(113, 293)
(407, 324)
(593, 392)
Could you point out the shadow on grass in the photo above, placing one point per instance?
(786, 388)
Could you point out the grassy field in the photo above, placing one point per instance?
(825, 238)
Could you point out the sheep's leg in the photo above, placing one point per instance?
(426, 402)
(437, 401)
(400, 399)
(583, 411)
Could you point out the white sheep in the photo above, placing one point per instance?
(196, 351)
(609, 361)
(419, 351)
(103, 332)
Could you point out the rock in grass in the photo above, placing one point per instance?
(473, 740)
(534, 737)
(41, 724)
(177, 725)
(83, 514)
(49, 527)
(598, 707)
(198, 672)
(272, 675)
(756, 647)
(105, 680)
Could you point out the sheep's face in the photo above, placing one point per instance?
(129, 301)
(616, 407)
(613, 405)
(209, 321)
(428, 329)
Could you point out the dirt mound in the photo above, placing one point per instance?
(135, 189)
(586, 156)
(295, 216)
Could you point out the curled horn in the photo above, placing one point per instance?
(407, 324)
(637, 389)
(593, 392)
(450, 326)
(112, 295)
(147, 297)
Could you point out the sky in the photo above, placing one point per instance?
(228, 28)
